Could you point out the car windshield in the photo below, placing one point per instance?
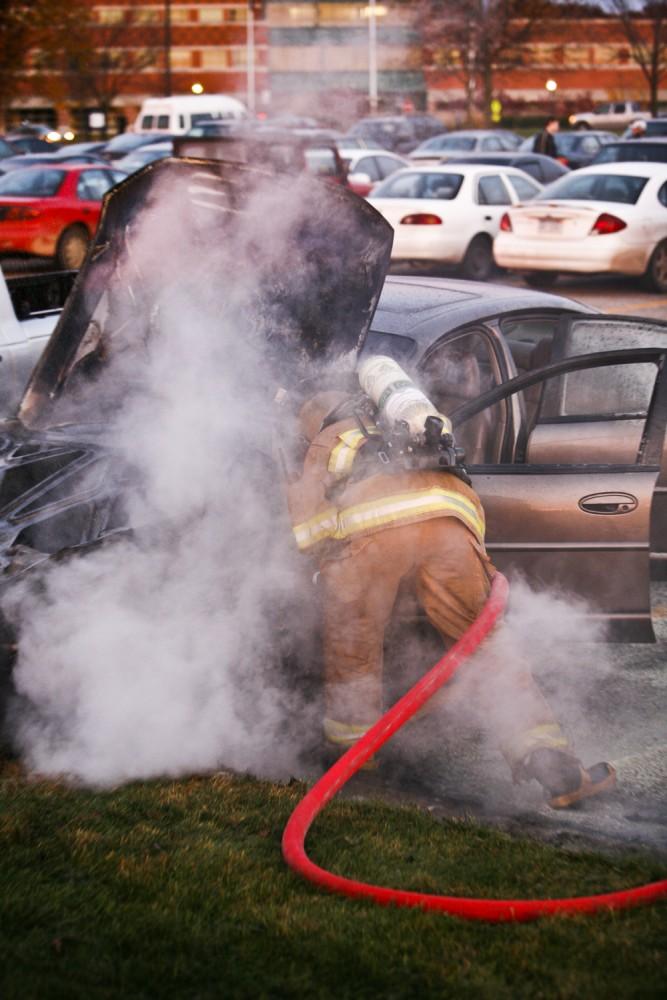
(31, 183)
(596, 187)
(410, 184)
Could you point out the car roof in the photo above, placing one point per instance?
(459, 168)
(424, 308)
(636, 168)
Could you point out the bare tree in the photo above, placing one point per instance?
(89, 62)
(476, 39)
(645, 28)
(23, 26)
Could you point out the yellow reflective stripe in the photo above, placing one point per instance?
(344, 453)
(547, 735)
(388, 510)
(341, 733)
(447, 428)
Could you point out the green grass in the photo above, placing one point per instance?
(178, 889)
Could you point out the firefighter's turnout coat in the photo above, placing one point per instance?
(373, 528)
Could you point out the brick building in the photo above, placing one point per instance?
(316, 58)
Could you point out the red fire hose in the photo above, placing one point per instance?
(494, 910)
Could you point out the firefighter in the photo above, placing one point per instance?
(375, 523)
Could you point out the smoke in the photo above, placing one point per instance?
(165, 654)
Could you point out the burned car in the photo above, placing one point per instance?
(561, 411)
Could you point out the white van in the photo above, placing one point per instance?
(176, 115)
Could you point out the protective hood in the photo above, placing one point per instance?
(318, 257)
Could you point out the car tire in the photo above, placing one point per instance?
(72, 248)
(541, 279)
(478, 263)
(655, 275)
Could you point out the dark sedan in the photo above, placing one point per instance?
(577, 149)
(626, 150)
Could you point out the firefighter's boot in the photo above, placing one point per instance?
(565, 780)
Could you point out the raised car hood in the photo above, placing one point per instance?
(318, 268)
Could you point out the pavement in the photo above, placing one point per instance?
(618, 715)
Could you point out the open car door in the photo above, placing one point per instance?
(568, 504)
(579, 335)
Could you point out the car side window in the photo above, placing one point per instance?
(662, 194)
(531, 167)
(147, 121)
(163, 121)
(618, 391)
(491, 144)
(386, 165)
(523, 188)
(367, 165)
(92, 185)
(492, 191)
(456, 372)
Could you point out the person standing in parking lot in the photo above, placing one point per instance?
(544, 140)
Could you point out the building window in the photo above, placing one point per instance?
(180, 58)
(211, 15)
(238, 58)
(293, 15)
(214, 59)
(110, 15)
(147, 15)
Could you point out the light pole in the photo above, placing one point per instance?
(372, 58)
(250, 57)
(167, 48)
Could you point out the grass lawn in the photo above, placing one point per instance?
(178, 889)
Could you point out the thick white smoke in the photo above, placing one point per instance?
(158, 656)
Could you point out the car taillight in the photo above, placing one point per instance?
(606, 223)
(506, 223)
(564, 160)
(421, 219)
(18, 213)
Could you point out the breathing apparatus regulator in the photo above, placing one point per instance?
(408, 428)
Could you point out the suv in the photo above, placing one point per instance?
(612, 114)
(398, 133)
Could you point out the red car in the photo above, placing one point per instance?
(53, 211)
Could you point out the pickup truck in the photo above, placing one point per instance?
(29, 310)
(612, 114)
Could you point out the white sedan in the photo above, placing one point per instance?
(448, 215)
(610, 218)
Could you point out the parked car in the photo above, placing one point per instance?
(654, 127)
(52, 211)
(576, 149)
(35, 130)
(6, 150)
(543, 169)
(448, 215)
(366, 167)
(138, 158)
(609, 114)
(464, 141)
(603, 219)
(125, 142)
(64, 155)
(626, 150)
(397, 133)
(30, 144)
(29, 309)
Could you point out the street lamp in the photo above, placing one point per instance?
(197, 88)
(372, 12)
(167, 48)
(551, 86)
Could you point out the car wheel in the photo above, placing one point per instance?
(477, 263)
(541, 279)
(655, 276)
(72, 248)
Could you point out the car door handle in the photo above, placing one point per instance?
(608, 503)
